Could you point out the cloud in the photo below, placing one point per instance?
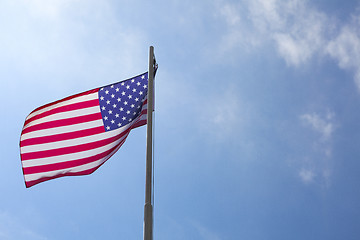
(223, 115)
(300, 34)
(316, 165)
(294, 51)
(307, 175)
(322, 125)
(297, 29)
(225, 112)
(345, 48)
(231, 14)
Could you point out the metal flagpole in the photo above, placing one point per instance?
(148, 208)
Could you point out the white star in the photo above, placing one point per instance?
(145, 86)
(123, 93)
(114, 106)
(136, 99)
(107, 91)
(112, 95)
(119, 124)
(123, 118)
(108, 102)
(101, 89)
(107, 128)
(101, 98)
(134, 90)
(125, 103)
(143, 77)
(106, 118)
(134, 113)
(121, 109)
(132, 80)
(127, 86)
(103, 108)
(128, 112)
(130, 120)
(117, 89)
(112, 121)
(112, 86)
(117, 115)
(138, 83)
(141, 93)
(132, 105)
(119, 99)
(110, 112)
(129, 96)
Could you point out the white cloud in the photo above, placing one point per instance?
(345, 48)
(295, 52)
(223, 114)
(235, 24)
(322, 125)
(298, 31)
(231, 14)
(316, 165)
(301, 35)
(307, 175)
(303, 38)
(265, 15)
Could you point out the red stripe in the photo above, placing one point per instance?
(63, 122)
(85, 172)
(66, 108)
(139, 123)
(65, 99)
(144, 112)
(72, 149)
(70, 164)
(62, 136)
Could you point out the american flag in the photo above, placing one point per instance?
(77, 134)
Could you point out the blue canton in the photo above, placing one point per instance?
(121, 103)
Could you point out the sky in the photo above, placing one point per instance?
(256, 117)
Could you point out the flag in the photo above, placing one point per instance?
(77, 134)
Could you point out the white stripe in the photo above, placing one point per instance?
(70, 142)
(87, 97)
(70, 157)
(64, 115)
(64, 129)
(35, 176)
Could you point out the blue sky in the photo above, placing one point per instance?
(257, 121)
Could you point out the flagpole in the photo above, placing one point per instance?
(148, 208)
